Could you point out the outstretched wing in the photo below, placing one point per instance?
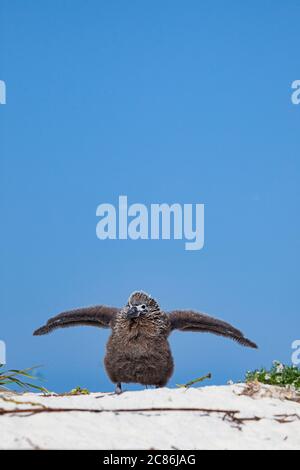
(98, 315)
(187, 320)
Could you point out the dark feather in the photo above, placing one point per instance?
(98, 315)
(187, 320)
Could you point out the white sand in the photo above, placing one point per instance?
(260, 422)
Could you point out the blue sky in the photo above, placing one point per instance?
(172, 101)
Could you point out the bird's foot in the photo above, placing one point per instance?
(118, 389)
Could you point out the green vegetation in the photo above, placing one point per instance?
(11, 378)
(79, 391)
(195, 381)
(279, 374)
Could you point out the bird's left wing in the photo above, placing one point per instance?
(98, 315)
(188, 320)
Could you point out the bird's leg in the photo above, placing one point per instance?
(118, 389)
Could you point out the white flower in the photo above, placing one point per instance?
(279, 368)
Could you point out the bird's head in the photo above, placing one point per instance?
(141, 305)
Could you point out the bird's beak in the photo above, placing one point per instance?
(133, 313)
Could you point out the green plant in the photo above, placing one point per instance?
(79, 391)
(279, 374)
(193, 382)
(13, 377)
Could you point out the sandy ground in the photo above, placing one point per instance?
(196, 418)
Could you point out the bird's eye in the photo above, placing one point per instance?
(143, 306)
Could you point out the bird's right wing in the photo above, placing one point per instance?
(98, 315)
(188, 320)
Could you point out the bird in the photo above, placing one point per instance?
(138, 349)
